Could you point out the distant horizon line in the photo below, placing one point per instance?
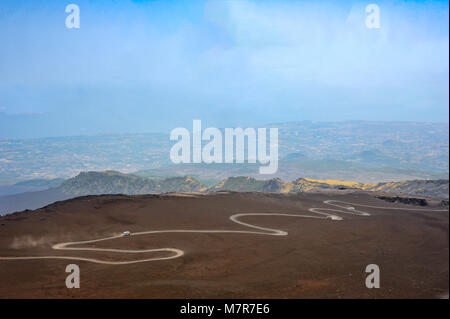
(266, 125)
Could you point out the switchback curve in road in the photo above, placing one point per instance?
(342, 207)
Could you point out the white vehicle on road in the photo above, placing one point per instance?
(341, 207)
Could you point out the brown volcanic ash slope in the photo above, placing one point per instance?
(319, 258)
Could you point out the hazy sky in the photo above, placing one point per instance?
(143, 66)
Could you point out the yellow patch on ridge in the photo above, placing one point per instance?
(336, 182)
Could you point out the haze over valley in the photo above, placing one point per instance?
(354, 150)
(250, 149)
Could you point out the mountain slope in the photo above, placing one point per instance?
(112, 182)
(108, 182)
(96, 183)
(426, 188)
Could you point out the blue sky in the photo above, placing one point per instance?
(146, 66)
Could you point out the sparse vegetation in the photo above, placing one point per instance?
(113, 182)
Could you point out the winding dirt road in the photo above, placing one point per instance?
(325, 213)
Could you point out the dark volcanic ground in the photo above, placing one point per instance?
(318, 259)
